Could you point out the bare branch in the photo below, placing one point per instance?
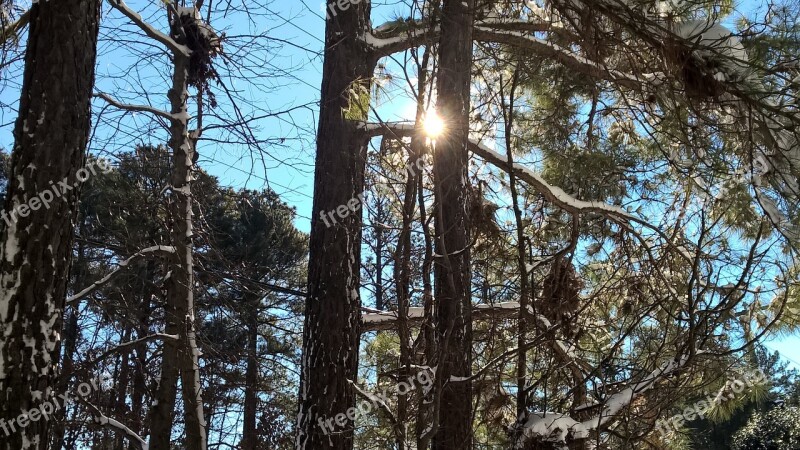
(148, 29)
(143, 108)
(158, 249)
(13, 28)
(105, 421)
(373, 320)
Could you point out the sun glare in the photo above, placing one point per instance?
(433, 125)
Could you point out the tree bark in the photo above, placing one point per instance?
(181, 357)
(331, 332)
(163, 410)
(50, 137)
(249, 436)
(452, 271)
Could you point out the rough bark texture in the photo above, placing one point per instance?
(50, 137)
(331, 335)
(180, 358)
(452, 270)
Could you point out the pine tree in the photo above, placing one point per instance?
(50, 137)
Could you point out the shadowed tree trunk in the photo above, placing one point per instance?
(50, 137)
(331, 332)
(452, 270)
(142, 329)
(249, 436)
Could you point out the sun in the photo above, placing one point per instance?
(433, 125)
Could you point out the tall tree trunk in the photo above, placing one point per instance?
(50, 137)
(403, 271)
(249, 436)
(524, 290)
(163, 410)
(141, 350)
(181, 357)
(121, 382)
(331, 332)
(403, 286)
(452, 271)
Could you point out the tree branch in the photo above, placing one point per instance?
(105, 421)
(148, 29)
(158, 249)
(143, 108)
(374, 320)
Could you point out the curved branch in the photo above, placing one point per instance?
(158, 249)
(105, 421)
(142, 108)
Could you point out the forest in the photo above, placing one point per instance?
(399, 224)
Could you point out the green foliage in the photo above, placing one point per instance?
(715, 432)
(243, 239)
(779, 429)
(358, 98)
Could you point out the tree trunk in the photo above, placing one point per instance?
(331, 332)
(249, 436)
(163, 410)
(50, 137)
(181, 357)
(452, 271)
(426, 411)
(121, 387)
(524, 291)
(141, 350)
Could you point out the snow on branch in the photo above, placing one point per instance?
(566, 57)
(392, 41)
(577, 365)
(617, 402)
(375, 400)
(393, 37)
(148, 29)
(158, 249)
(107, 422)
(373, 320)
(555, 427)
(553, 194)
(152, 337)
(392, 129)
(142, 108)
(13, 28)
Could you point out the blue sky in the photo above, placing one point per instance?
(288, 170)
